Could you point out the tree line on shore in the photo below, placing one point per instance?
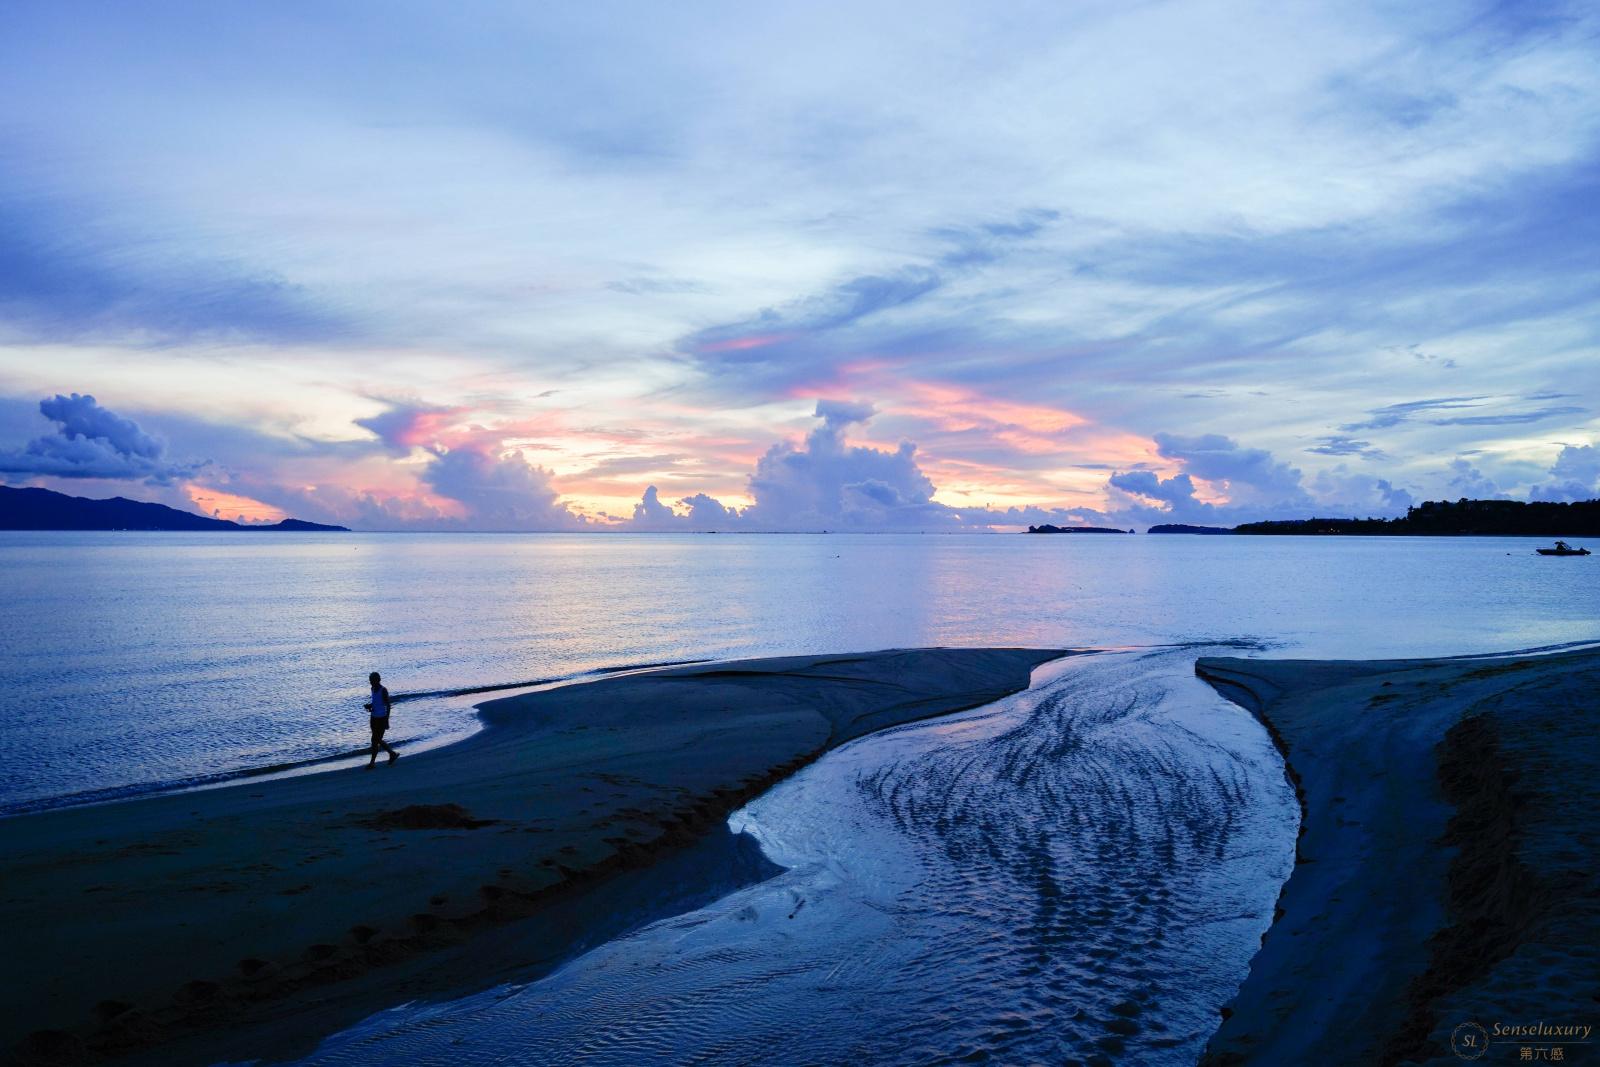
(1439, 518)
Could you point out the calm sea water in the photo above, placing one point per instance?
(130, 660)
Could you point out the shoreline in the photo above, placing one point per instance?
(250, 921)
(1444, 870)
(325, 763)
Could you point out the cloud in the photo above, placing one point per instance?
(618, 466)
(1468, 481)
(1575, 475)
(836, 415)
(707, 215)
(1394, 414)
(499, 490)
(651, 514)
(1256, 484)
(1248, 475)
(1517, 418)
(1340, 493)
(829, 484)
(784, 343)
(358, 509)
(91, 441)
(701, 513)
(405, 425)
(821, 483)
(1341, 445)
(1177, 492)
(66, 275)
(767, 334)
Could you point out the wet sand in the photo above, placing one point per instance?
(252, 920)
(1445, 870)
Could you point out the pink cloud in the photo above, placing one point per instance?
(741, 344)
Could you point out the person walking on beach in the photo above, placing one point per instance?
(380, 719)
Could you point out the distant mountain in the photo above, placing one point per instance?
(1047, 528)
(1445, 518)
(42, 509)
(1185, 528)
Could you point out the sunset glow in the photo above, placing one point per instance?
(1128, 265)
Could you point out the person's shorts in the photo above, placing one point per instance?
(379, 726)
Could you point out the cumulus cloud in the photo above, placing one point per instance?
(1178, 489)
(1468, 481)
(468, 488)
(823, 482)
(1256, 484)
(91, 441)
(651, 514)
(1575, 475)
(827, 483)
(498, 490)
(1248, 475)
(1341, 493)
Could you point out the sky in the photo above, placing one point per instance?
(873, 266)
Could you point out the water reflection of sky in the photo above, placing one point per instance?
(153, 657)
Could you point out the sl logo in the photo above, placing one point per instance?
(1469, 1041)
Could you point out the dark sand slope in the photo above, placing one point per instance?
(139, 926)
(1447, 865)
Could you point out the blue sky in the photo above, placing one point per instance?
(864, 265)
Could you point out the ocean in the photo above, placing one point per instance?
(142, 661)
(1080, 872)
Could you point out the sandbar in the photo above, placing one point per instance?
(252, 920)
(1446, 874)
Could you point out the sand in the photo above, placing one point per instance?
(252, 920)
(1446, 870)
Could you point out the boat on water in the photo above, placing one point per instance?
(1562, 549)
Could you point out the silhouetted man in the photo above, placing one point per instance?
(380, 720)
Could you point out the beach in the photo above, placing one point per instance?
(1098, 833)
(251, 920)
(1445, 870)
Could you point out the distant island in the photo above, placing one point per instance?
(42, 509)
(1459, 518)
(1048, 529)
(1436, 518)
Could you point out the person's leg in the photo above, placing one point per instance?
(377, 742)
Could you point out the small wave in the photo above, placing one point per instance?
(324, 760)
